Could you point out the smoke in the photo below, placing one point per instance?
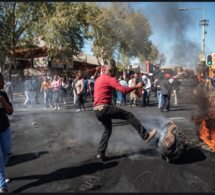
(170, 29)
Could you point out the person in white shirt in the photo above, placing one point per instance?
(146, 88)
(130, 81)
(123, 96)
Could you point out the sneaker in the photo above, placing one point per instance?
(64, 103)
(55, 108)
(50, 106)
(161, 109)
(58, 108)
(3, 190)
(24, 106)
(45, 107)
(79, 110)
(151, 135)
(83, 109)
(101, 156)
(7, 180)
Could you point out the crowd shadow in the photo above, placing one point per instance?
(22, 158)
(63, 174)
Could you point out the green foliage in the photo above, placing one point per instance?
(65, 27)
(118, 28)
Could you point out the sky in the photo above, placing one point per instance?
(177, 33)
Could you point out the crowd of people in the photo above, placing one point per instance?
(56, 90)
(105, 91)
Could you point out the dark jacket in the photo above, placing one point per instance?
(158, 86)
(28, 85)
(4, 122)
(175, 84)
(165, 87)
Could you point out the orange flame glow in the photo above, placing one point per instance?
(208, 136)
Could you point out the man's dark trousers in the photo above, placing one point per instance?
(165, 100)
(109, 112)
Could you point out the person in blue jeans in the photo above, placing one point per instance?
(158, 91)
(146, 88)
(5, 133)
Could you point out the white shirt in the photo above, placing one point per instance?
(123, 83)
(148, 84)
(130, 82)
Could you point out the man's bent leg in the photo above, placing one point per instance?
(118, 113)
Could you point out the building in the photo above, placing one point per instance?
(36, 62)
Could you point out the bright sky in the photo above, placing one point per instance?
(176, 33)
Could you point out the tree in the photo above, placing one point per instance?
(161, 59)
(118, 28)
(65, 28)
(17, 19)
(152, 55)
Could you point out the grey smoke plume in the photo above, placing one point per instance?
(170, 26)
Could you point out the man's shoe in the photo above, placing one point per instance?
(101, 156)
(151, 135)
(3, 190)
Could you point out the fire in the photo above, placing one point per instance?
(208, 136)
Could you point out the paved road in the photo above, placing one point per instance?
(57, 153)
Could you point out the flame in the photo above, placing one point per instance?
(207, 135)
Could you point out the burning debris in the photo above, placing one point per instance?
(172, 143)
(206, 124)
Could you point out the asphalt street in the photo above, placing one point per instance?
(55, 151)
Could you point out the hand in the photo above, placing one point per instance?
(139, 85)
(97, 68)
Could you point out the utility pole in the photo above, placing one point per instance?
(202, 23)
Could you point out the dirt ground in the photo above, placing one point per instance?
(57, 153)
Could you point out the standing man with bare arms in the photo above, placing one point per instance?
(104, 111)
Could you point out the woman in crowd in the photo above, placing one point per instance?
(46, 85)
(5, 134)
(80, 90)
(63, 90)
(56, 90)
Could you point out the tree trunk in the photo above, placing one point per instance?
(124, 73)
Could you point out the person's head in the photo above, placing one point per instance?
(92, 77)
(55, 77)
(79, 76)
(167, 76)
(120, 78)
(135, 75)
(1, 81)
(144, 77)
(45, 79)
(110, 70)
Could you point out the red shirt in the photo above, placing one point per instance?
(103, 89)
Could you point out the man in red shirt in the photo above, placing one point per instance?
(105, 111)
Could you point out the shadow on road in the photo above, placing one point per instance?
(192, 156)
(63, 174)
(22, 158)
(148, 152)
